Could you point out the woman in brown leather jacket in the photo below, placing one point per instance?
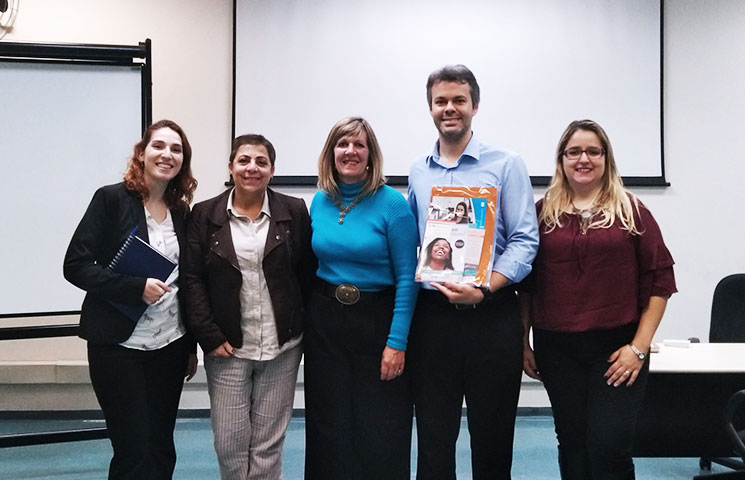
(248, 271)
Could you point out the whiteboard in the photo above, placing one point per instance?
(65, 130)
(302, 65)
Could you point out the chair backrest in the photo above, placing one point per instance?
(728, 310)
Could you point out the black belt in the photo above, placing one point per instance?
(438, 298)
(349, 294)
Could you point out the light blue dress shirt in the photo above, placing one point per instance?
(516, 232)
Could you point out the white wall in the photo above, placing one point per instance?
(192, 61)
(700, 214)
(192, 68)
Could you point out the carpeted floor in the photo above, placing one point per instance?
(534, 453)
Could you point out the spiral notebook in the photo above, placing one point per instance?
(137, 258)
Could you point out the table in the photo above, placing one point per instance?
(682, 412)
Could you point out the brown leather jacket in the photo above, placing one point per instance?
(212, 279)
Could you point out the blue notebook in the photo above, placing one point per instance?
(137, 258)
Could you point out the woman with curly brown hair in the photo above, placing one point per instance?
(137, 366)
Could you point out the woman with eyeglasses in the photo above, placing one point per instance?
(598, 290)
(358, 409)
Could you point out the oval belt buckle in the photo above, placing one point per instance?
(347, 294)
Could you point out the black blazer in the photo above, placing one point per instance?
(212, 279)
(112, 214)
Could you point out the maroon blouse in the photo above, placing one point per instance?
(600, 279)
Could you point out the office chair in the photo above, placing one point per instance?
(734, 414)
(728, 310)
(727, 326)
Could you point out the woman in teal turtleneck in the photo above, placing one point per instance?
(358, 409)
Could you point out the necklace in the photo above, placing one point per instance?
(344, 209)
(584, 216)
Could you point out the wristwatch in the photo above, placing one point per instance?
(486, 291)
(637, 352)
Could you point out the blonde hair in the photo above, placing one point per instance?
(328, 177)
(613, 201)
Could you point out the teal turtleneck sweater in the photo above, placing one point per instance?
(374, 248)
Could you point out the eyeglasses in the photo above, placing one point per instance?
(592, 152)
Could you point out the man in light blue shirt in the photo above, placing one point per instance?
(466, 341)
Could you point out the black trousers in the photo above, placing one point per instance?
(357, 426)
(139, 393)
(471, 353)
(594, 421)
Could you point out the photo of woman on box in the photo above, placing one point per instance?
(438, 255)
(460, 215)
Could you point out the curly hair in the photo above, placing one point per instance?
(180, 190)
(431, 246)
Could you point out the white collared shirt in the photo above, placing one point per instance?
(260, 341)
(161, 323)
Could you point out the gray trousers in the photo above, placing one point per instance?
(251, 406)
